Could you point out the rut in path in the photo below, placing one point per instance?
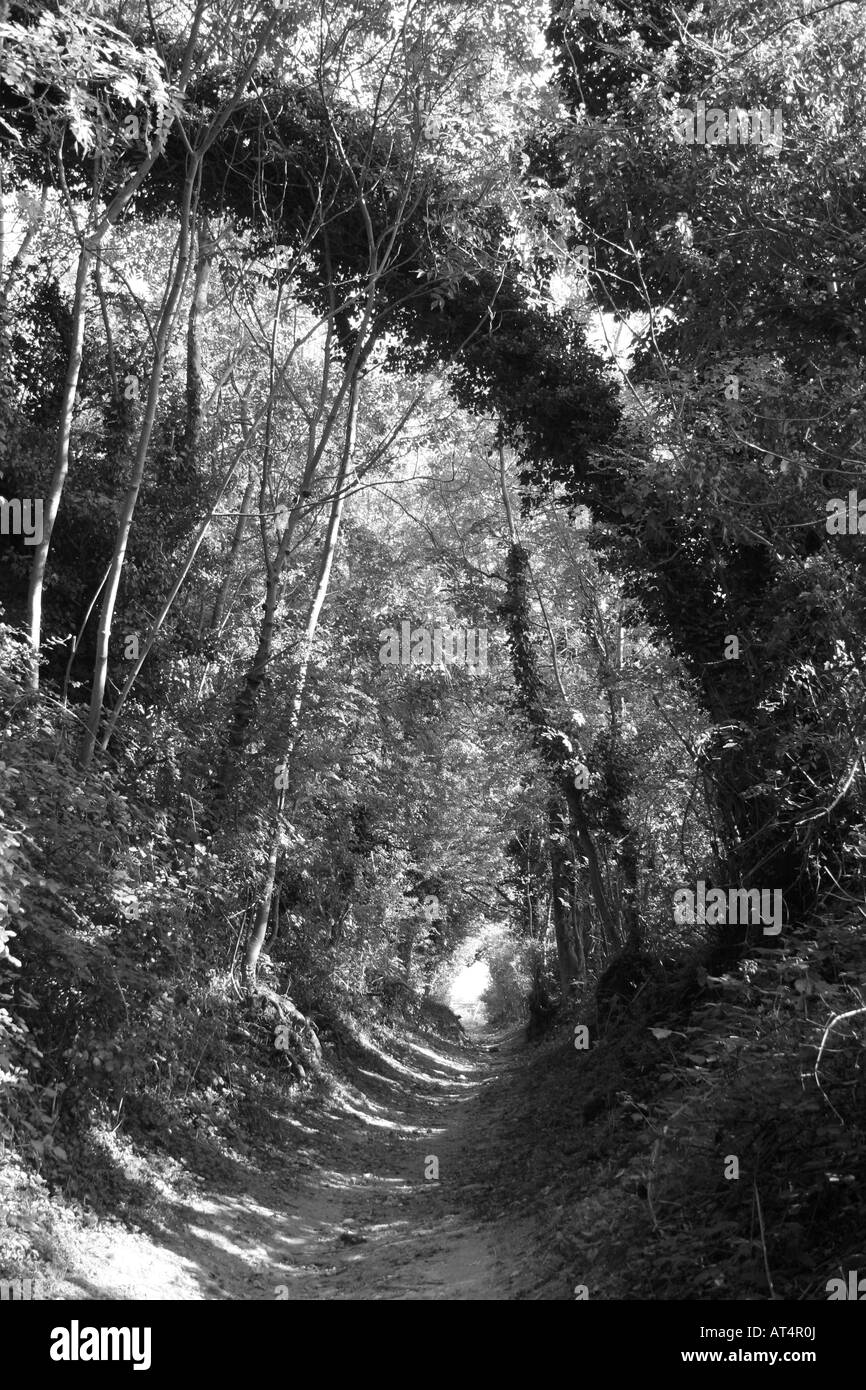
(349, 1214)
(416, 1238)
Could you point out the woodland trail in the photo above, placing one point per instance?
(349, 1213)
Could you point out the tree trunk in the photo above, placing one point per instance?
(197, 309)
(567, 960)
(61, 465)
(580, 918)
(166, 608)
(555, 747)
(163, 336)
(586, 845)
(257, 935)
(245, 701)
(219, 607)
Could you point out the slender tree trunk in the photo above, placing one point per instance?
(163, 337)
(257, 934)
(197, 309)
(61, 465)
(166, 608)
(556, 749)
(628, 844)
(219, 607)
(245, 701)
(567, 959)
(579, 913)
(586, 845)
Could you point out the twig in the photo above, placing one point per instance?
(656, 1149)
(837, 1018)
(763, 1240)
(237, 944)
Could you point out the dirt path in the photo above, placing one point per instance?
(349, 1214)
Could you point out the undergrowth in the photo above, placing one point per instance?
(716, 1150)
